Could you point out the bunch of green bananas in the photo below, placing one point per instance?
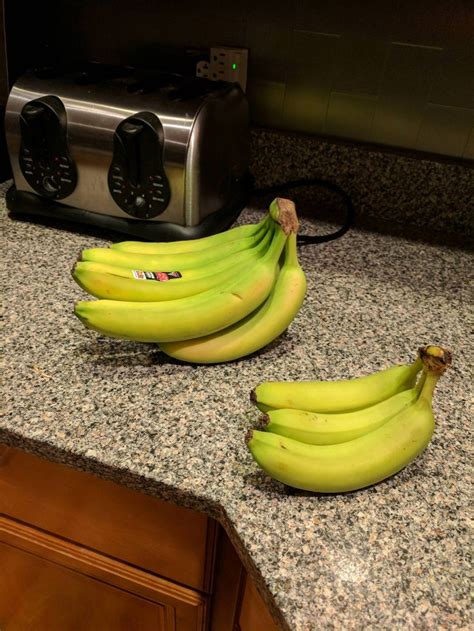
(226, 296)
(337, 436)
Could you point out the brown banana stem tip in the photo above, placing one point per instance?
(253, 397)
(78, 259)
(287, 217)
(435, 358)
(248, 436)
(264, 419)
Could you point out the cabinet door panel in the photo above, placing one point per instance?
(37, 594)
(43, 568)
(167, 539)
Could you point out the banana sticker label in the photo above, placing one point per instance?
(159, 276)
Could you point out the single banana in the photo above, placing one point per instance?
(177, 261)
(120, 283)
(360, 462)
(315, 428)
(259, 328)
(336, 396)
(189, 317)
(192, 245)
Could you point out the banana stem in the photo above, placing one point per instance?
(291, 255)
(421, 382)
(415, 369)
(283, 211)
(278, 243)
(263, 224)
(435, 361)
(429, 386)
(435, 358)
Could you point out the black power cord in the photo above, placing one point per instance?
(304, 239)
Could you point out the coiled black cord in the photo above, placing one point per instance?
(304, 239)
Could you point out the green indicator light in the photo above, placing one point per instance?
(234, 66)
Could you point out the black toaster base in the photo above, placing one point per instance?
(28, 205)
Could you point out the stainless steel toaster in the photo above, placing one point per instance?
(154, 154)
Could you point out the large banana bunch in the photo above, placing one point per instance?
(355, 444)
(214, 299)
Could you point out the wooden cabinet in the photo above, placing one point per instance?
(78, 552)
(158, 536)
(253, 612)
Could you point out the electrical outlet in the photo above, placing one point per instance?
(229, 64)
(202, 69)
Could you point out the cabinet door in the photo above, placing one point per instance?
(37, 594)
(50, 584)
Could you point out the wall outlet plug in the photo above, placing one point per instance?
(202, 69)
(229, 64)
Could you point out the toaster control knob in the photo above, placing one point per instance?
(50, 185)
(140, 202)
(137, 179)
(44, 153)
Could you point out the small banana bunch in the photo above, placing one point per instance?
(226, 296)
(337, 436)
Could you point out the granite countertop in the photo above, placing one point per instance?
(392, 556)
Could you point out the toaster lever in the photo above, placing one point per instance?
(44, 156)
(31, 114)
(130, 135)
(137, 179)
(32, 127)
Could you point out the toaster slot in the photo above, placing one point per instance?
(192, 88)
(44, 154)
(137, 180)
(95, 74)
(153, 83)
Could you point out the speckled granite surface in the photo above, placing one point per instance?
(404, 194)
(391, 557)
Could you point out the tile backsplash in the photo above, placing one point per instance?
(392, 72)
